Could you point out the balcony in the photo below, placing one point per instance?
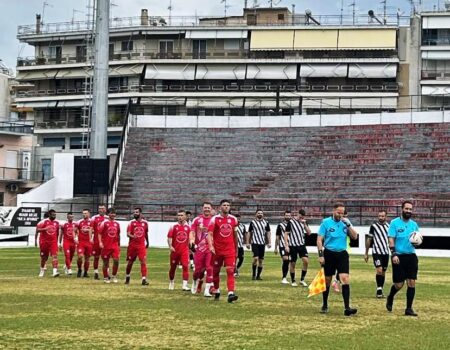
(16, 128)
(435, 75)
(16, 175)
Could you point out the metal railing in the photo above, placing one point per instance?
(212, 21)
(432, 214)
(436, 74)
(16, 127)
(20, 174)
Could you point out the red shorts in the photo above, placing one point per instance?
(96, 250)
(84, 248)
(48, 248)
(111, 252)
(69, 247)
(134, 252)
(179, 257)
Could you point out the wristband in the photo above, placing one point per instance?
(320, 253)
(393, 252)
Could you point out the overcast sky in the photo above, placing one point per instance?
(17, 12)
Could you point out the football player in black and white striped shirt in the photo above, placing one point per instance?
(259, 231)
(241, 237)
(378, 234)
(296, 231)
(280, 245)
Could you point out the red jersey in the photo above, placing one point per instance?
(200, 227)
(51, 234)
(139, 229)
(180, 237)
(96, 224)
(110, 231)
(84, 226)
(223, 228)
(68, 231)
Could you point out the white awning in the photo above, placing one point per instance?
(323, 70)
(220, 72)
(372, 70)
(170, 72)
(436, 90)
(74, 73)
(75, 103)
(216, 34)
(215, 103)
(436, 55)
(149, 101)
(272, 71)
(125, 70)
(36, 74)
(40, 104)
(354, 103)
(257, 103)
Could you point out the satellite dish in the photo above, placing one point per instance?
(308, 12)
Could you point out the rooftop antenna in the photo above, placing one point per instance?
(273, 2)
(44, 5)
(255, 4)
(309, 17)
(111, 5)
(170, 8)
(384, 2)
(225, 5)
(341, 19)
(353, 5)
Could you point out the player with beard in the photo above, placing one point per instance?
(222, 243)
(202, 256)
(85, 240)
(68, 244)
(137, 232)
(404, 259)
(259, 232)
(48, 243)
(109, 242)
(178, 241)
(280, 245)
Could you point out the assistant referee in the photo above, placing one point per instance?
(333, 255)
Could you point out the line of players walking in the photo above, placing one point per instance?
(218, 240)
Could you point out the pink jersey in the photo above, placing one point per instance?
(68, 231)
(51, 234)
(223, 228)
(139, 229)
(180, 237)
(84, 227)
(200, 227)
(110, 231)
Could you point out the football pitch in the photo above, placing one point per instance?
(76, 313)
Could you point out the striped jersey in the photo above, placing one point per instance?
(240, 234)
(281, 228)
(258, 229)
(379, 234)
(296, 233)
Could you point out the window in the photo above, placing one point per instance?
(199, 49)
(2, 199)
(54, 142)
(127, 45)
(251, 20)
(81, 53)
(111, 51)
(55, 53)
(165, 49)
(77, 143)
(281, 17)
(113, 141)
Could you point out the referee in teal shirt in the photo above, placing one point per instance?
(404, 259)
(333, 255)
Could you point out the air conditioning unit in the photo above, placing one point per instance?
(13, 187)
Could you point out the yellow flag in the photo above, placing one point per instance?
(317, 286)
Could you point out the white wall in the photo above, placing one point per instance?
(152, 121)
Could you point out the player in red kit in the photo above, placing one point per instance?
(222, 241)
(109, 242)
(68, 245)
(37, 237)
(178, 240)
(137, 232)
(85, 239)
(202, 255)
(48, 242)
(96, 223)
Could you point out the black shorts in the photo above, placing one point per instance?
(282, 251)
(381, 260)
(240, 254)
(258, 251)
(407, 269)
(336, 261)
(299, 251)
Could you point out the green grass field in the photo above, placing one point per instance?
(67, 312)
